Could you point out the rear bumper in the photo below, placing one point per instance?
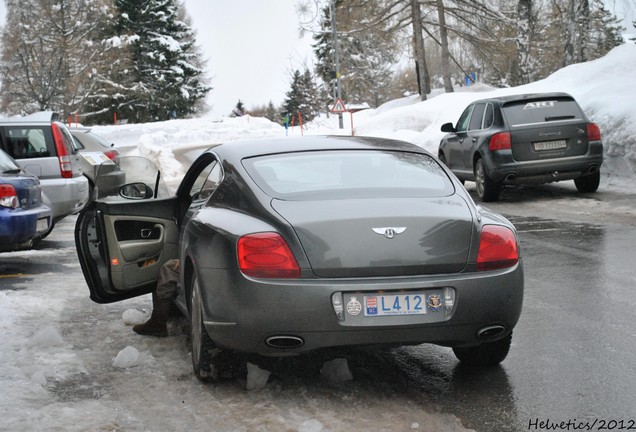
(502, 167)
(18, 227)
(65, 196)
(242, 314)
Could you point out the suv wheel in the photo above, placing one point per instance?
(487, 190)
(486, 354)
(588, 183)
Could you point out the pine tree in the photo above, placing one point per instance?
(163, 79)
(302, 97)
(239, 110)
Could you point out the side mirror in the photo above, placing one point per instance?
(137, 191)
(448, 127)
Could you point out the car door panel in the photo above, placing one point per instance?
(123, 245)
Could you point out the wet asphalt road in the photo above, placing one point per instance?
(573, 351)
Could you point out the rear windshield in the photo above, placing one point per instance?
(29, 142)
(524, 112)
(349, 174)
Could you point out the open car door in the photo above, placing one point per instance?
(122, 240)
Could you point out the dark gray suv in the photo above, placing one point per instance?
(45, 148)
(528, 138)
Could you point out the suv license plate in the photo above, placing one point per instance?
(550, 145)
(396, 304)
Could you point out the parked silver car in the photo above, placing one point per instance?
(98, 156)
(44, 147)
(294, 245)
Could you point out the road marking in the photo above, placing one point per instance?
(12, 275)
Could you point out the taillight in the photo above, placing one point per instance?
(593, 132)
(65, 160)
(266, 255)
(497, 248)
(112, 154)
(500, 141)
(8, 196)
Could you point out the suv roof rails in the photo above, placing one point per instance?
(42, 116)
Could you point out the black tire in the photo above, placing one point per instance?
(486, 354)
(487, 190)
(442, 158)
(204, 351)
(588, 183)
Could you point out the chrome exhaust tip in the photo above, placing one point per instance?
(284, 342)
(491, 331)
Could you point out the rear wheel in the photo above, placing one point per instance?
(204, 351)
(486, 354)
(487, 190)
(588, 183)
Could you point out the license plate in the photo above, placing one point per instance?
(42, 225)
(396, 304)
(550, 145)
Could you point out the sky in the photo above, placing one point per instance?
(253, 48)
(99, 375)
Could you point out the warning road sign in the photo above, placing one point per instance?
(338, 106)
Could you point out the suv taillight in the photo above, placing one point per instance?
(62, 154)
(500, 141)
(8, 196)
(497, 248)
(266, 255)
(593, 132)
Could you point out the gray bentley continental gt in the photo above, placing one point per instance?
(292, 245)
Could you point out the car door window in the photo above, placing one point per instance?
(477, 117)
(489, 116)
(462, 123)
(206, 182)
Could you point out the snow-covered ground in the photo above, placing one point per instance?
(122, 382)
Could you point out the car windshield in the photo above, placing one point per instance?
(523, 112)
(7, 164)
(349, 174)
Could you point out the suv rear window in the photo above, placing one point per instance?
(29, 142)
(527, 112)
(349, 174)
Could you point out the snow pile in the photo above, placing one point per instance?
(134, 316)
(46, 337)
(336, 371)
(256, 377)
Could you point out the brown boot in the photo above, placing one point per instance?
(156, 325)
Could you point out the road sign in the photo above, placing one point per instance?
(338, 106)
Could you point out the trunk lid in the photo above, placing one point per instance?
(546, 128)
(382, 237)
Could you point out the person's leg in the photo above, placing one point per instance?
(161, 301)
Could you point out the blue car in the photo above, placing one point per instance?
(23, 216)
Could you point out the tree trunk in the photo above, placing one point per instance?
(570, 33)
(424, 82)
(524, 32)
(584, 30)
(443, 33)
